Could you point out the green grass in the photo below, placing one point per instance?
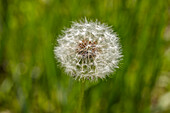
(32, 82)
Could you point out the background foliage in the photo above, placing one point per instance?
(31, 81)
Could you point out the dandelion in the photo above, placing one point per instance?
(88, 50)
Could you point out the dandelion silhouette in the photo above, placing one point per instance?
(88, 50)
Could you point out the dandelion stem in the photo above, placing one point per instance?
(81, 97)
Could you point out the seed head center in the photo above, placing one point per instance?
(87, 49)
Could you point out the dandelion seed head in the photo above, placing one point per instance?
(88, 50)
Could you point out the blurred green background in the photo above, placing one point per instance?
(32, 82)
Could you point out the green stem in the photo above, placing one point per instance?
(81, 97)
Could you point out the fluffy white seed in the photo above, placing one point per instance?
(88, 50)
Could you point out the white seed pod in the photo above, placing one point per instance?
(88, 50)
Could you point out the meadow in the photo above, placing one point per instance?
(31, 80)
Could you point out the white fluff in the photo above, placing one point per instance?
(93, 61)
